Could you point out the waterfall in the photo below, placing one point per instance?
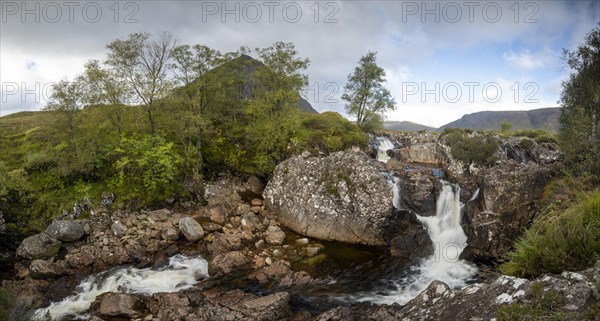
(449, 240)
(382, 145)
(181, 273)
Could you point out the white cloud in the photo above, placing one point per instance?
(531, 60)
(404, 46)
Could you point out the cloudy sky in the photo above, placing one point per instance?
(442, 59)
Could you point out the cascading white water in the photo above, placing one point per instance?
(449, 241)
(382, 145)
(181, 273)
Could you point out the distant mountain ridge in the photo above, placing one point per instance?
(543, 118)
(406, 126)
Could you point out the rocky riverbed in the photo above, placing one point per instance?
(319, 241)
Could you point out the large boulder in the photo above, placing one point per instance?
(341, 197)
(191, 229)
(424, 153)
(66, 231)
(508, 202)
(39, 246)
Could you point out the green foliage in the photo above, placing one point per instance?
(539, 135)
(505, 126)
(327, 132)
(580, 118)
(559, 240)
(470, 148)
(366, 98)
(5, 304)
(233, 113)
(147, 164)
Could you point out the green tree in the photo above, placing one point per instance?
(580, 99)
(67, 98)
(193, 62)
(366, 98)
(103, 86)
(143, 63)
(505, 126)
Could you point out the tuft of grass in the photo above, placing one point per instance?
(559, 240)
(539, 135)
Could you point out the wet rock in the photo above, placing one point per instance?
(280, 274)
(66, 231)
(229, 262)
(337, 314)
(302, 241)
(118, 229)
(410, 240)
(191, 229)
(341, 197)
(175, 306)
(40, 246)
(237, 305)
(312, 250)
(418, 186)
(270, 307)
(42, 269)
(274, 235)
(117, 305)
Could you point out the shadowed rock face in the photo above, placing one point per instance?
(342, 197)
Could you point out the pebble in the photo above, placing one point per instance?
(302, 241)
(259, 244)
(312, 251)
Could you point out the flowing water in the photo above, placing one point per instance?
(353, 273)
(181, 273)
(382, 145)
(449, 240)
